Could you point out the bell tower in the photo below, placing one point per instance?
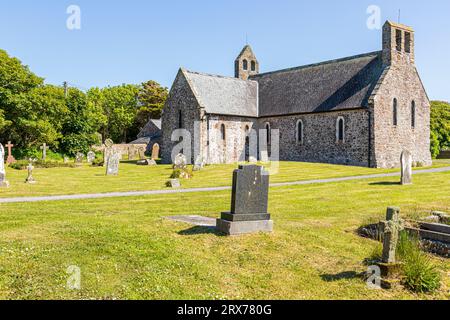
(246, 64)
(398, 44)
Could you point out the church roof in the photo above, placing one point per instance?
(329, 86)
(223, 95)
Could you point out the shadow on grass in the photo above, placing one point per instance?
(347, 275)
(198, 230)
(385, 183)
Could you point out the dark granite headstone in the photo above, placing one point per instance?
(249, 202)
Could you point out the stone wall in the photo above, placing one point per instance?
(181, 99)
(319, 137)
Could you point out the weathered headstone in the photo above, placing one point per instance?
(3, 182)
(10, 158)
(79, 158)
(132, 152)
(107, 150)
(141, 153)
(90, 156)
(30, 178)
(199, 163)
(66, 159)
(155, 151)
(406, 160)
(180, 162)
(391, 229)
(249, 203)
(44, 149)
(112, 166)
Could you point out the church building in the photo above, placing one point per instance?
(362, 110)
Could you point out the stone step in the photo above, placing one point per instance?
(430, 235)
(436, 227)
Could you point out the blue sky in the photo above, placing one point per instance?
(134, 41)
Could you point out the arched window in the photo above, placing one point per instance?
(413, 114)
(268, 133)
(299, 132)
(253, 65)
(180, 119)
(340, 130)
(395, 112)
(222, 131)
(245, 64)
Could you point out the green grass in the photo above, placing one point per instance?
(126, 249)
(87, 179)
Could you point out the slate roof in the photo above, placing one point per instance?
(224, 95)
(329, 86)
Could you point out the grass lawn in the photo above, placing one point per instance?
(126, 249)
(87, 179)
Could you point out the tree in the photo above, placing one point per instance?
(152, 98)
(440, 126)
(120, 106)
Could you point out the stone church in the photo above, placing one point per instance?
(362, 110)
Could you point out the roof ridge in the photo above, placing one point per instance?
(215, 75)
(319, 64)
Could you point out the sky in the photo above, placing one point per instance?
(138, 40)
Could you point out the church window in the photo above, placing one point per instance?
(395, 112)
(222, 131)
(413, 114)
(340, 130)
(253, 65)
(268, 133)
(408, 42)
(180, 119)
(399, 39)
(245, 64)
(299, 133)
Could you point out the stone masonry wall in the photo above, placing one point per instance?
(319, 137)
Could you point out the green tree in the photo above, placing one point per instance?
(440, 126)
(120, 105)
(152, 98)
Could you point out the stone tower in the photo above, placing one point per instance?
(246, 64)
(398, 44)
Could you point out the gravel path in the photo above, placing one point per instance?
(175, 191)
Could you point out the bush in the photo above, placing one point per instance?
(98, 162)
(420, 274)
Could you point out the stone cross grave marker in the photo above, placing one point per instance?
(90, 156)
(3, 182)
(406, 161)
(155, 151)
(249, 203)
(10, 158)
(44, 149)
(112, 166)
(392, 227)
(30, 168)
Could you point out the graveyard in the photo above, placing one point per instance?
(127, 248)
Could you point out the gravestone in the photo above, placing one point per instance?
(141, 153)
(155, 151)
(180, 162)
(249, 203)
(146, 162)
(107, 150)
(90, 156)
(10, 158)
(391, 229)
(66, 159)
(199, 163)
(112, 166)
(406, 164)
(132, 152)
(44, 149)
(30, 178)
(3, 182)
(79, 158)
